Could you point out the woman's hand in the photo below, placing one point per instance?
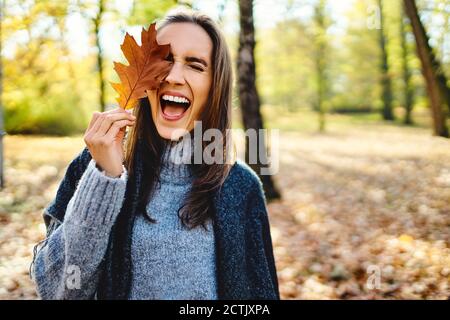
(104, 139)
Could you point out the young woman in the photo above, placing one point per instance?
(150, 223)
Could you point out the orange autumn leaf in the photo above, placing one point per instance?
(147, 67)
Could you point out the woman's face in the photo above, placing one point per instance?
(183, 94)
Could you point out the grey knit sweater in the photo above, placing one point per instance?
(168, 260)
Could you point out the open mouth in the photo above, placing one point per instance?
(173, 107)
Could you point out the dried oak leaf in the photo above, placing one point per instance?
(147, 67)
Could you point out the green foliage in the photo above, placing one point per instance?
(46, 89)
(145, 12)
(56, 117)
(284, 63)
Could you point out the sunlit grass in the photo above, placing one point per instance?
(307, 121)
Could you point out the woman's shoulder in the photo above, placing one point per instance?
(241, 196)
(243, 180)
(242, 173)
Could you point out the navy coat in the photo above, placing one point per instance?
(245, 261)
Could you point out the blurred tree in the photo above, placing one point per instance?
(384, 69)
(95, 11)
(48, 87)
(435, 16)
(2, 129)
(356, 85)
(444, 39)
(284, 61)
(97, 20)
(322, 23)
(408, 87)
(438, 91)
(37, 70)
(248, 94)
(145, 12)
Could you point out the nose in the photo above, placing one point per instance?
(176, 75)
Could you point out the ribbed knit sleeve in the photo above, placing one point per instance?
(68, 263)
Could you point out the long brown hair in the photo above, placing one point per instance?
(198, 206)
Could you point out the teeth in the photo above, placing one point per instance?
(175, 99)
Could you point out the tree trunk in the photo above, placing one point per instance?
(2, 126)
(384, 69)
(248, 94)
(97, 24)
(408, 89)
(436, 83)
(320, 61)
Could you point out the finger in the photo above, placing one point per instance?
(116, 110)
(95, 115)
(108, 121)
(96, 125)
(116, 127)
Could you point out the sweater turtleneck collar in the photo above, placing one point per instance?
(175, 161)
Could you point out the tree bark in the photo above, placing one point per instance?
(101, 82)
(436, 83)
(386, 84)
(248, 94)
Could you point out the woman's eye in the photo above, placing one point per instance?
(193, 66)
